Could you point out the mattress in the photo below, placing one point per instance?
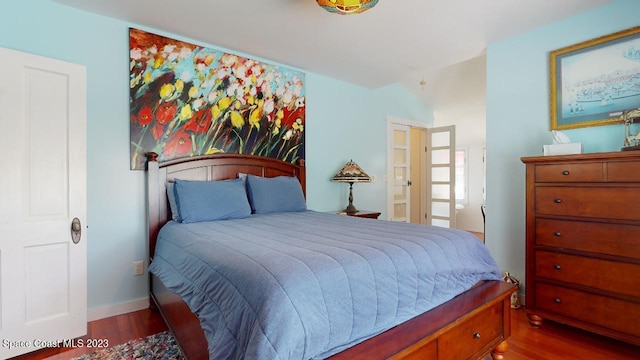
(306, 285)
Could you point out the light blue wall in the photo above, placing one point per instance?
(518, 119)
(349, 122)
(343, 121)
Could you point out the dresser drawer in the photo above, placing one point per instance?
(615, 314)
(597, 202)
(427, 351)
(482, 328)
(601, 238)
(601, 274)
(583, 172)
(623, 171)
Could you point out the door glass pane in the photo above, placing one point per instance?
(399, 192)
(440, 209)
(440, 191)
(400, 174)
(440, 157)
(440, 139)
(440, 174)
(440, 222)
(399, 137)
(461, 165)
(399, 156)
(400, 210)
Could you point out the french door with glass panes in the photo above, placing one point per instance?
(400, 172)
(441, 199)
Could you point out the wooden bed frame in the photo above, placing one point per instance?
(469, 326)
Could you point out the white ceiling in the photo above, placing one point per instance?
(397, 41)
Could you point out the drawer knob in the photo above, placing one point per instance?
(557, 201)
(557, 300)
(476, 335)
(566, 172)
(558, 233)
(556, 266)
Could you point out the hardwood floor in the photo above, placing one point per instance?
(478, 234)
(556, 341)
(551, 342)
(116, 330)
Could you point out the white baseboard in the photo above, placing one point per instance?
(117, 309)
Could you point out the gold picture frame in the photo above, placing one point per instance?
(592, 82)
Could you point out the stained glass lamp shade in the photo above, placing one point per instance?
(351, 173)
(346, 7)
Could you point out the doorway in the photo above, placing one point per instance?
(416, 193)
(420, 173)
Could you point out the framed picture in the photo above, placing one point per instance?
(594, 81)
(188, 100)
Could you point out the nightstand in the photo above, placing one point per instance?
(362, 214)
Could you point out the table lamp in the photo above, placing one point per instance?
(351, 173)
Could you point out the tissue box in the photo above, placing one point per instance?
(562, 149)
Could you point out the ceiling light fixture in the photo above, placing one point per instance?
(346, 7)
(423, 83)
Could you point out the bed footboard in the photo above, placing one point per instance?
(471, 325)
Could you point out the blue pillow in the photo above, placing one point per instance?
(277, 194)
(211, 200)
(172, 202)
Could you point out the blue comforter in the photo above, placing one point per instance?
(307, 285)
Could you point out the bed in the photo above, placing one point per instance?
(325, 298)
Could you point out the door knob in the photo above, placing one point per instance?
(76, 230)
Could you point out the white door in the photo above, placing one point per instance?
(43, 284)
(441, 198)
(399, 161)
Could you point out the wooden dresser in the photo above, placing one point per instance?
(583, 242)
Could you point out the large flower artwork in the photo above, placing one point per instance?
(188, 100)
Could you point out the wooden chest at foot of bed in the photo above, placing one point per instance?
(456, 330)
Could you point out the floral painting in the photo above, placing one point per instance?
(188, 100)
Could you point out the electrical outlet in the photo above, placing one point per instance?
(138, 268)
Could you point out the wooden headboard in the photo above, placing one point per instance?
(210, 167)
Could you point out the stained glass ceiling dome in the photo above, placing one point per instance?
(346, 7)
